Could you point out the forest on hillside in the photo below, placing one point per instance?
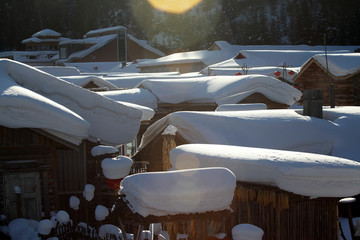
(245, 22)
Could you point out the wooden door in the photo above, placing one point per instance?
(29, 199)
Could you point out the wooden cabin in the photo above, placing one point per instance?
(313, 75)
(112, 44)
(47, 169)
(281, 214)
(167, 108)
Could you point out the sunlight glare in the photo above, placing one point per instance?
(174, 6)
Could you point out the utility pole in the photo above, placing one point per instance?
(331, 89)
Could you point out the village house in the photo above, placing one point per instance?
(193, 61)
(41, 49)
(339, 72)
(47, 130)
(187, 93)
(112, 44)
(279, 212)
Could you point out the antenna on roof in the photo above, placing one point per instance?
(332, 97)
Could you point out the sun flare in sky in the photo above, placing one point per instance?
(174, 6)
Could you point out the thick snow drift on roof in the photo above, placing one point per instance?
(106, 30)
(274, 129)
(306, 174)
(131, 80)
(205, 56)
(179, 192)
(147, 113)
(110, 121)
(102, 150)
(98, 68)
(83, 80)
(46, 33)
(340, 65)
(59, 70)
(241, 107)
(21, 107)
(221, 89)
(268, 71)
(138, 96)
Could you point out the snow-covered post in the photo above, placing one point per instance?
(99, 153)
(347, 202)
(88, 194)
(115, 169)
(168, 136)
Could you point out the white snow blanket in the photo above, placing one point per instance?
(21, 107)
(32, 98)
(337, 134)
(83, 80)
(241, 107)
(221, 89)
(339, 65)
(306, 174)
(179, 192)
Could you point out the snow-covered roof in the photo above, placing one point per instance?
(257, 55)
(262, 58)
(138, 96)
(221, 89)
(97, 117)
(308, 174)
(46, 33)
(179, 192)
(30, 56)
(21, 107)
(241, 107)
(83, 80)
(340, 65)
(132, 80)
(336, 134)
(59, 70)
(202, 56)
(96, 42)
(268, 71)
(103, 31)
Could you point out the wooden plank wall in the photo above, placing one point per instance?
(283, 215)
(35, 152)
(346, 90)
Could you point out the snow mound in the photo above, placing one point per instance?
(74, 202)
(43, 99)
(221, 89)
(247, 231)
(307, 174)
(116, 168)
(45, 226)
(88, 192)
(101, 212)
(102, 150)
(179, 192)
(62, 216)
(241, 107)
